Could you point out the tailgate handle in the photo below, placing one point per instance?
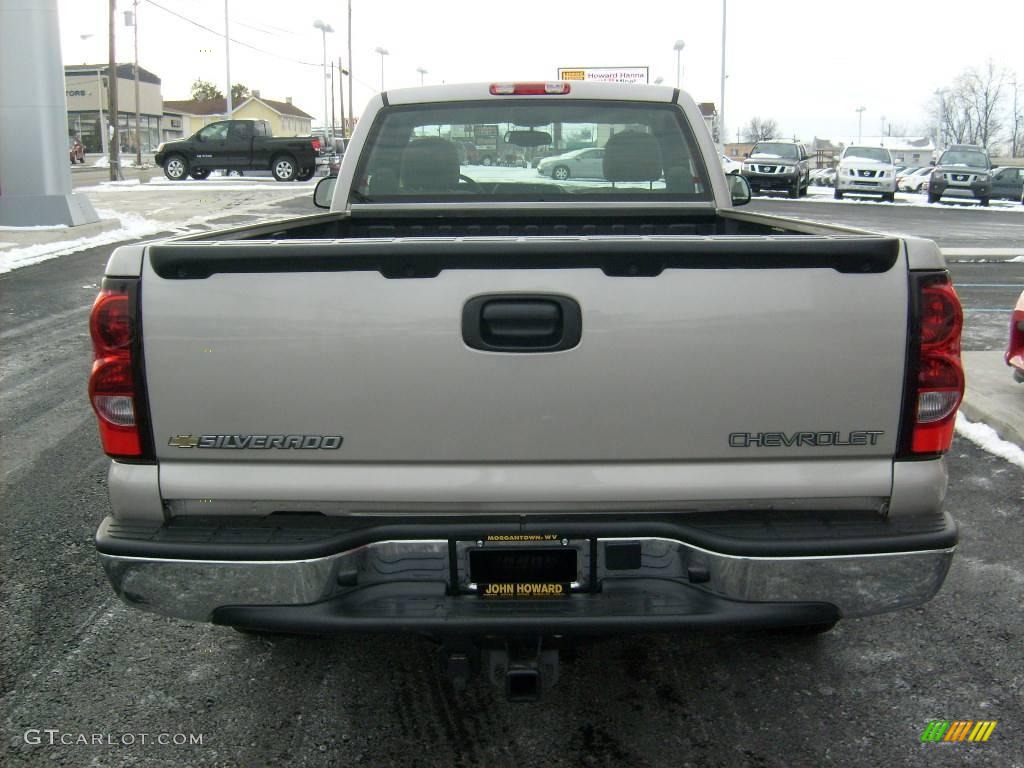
(521, 323)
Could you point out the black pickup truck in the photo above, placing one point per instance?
(237, 145)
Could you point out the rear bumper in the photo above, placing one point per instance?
(365, 579)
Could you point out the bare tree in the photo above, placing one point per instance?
(970, 112)
(1017, 121)
(759, 129)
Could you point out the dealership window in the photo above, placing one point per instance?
(148, 134)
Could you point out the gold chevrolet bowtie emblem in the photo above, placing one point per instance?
(183, 441)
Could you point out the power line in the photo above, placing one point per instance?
(248, 45)
(220, 34)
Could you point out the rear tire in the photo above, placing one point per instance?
(934, 198)
(984, 202)
(283, 168)
(305, 174)
(837, 194)
(199, 174)
(176, 168)
(889, 197)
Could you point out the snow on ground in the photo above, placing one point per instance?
(233, 183)
(132, 227)
(986, 438)
(825, 195)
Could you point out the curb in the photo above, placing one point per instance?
(1003, 428)
(16, 239)
(992, 396)
(968, 255)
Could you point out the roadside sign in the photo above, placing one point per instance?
(632, 75)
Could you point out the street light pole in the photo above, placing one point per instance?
(383, 52)
(324, 29)
(678, 48)
(227, 60)
(422, 72)
(99, 101)
(860, 120)
(138, 119)
(341, 95)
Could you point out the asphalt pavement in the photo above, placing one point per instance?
(76, 664)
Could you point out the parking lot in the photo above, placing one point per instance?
(75, 661)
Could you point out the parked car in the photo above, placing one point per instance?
(729, 165)
(778, 165)
(1008, 184)
(1015, 350)
(239, 145)
(964, 172)
(912, 182)
(585, 163)
(76, 151)
(866, 171)
(828, 177)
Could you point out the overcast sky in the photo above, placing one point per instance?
(806, 63)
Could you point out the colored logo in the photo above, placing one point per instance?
(958, 730)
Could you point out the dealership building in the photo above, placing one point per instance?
(86, 90)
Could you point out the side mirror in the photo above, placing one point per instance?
(932, 162)
(324, 192)
(746, 154)
(200, 137)
(739, 188)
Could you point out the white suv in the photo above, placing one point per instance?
(866, 171)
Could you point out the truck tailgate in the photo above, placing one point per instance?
(710, 370)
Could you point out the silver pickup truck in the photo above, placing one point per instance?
(503, 410)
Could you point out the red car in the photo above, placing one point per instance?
(1015, 350)
(76, 150)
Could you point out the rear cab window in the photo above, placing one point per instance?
(531, 150)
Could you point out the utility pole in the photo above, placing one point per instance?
(333, 134)
(227, 61)
(341, 95)
(351, 122)
(860, 119)
(721, 107)
(113, 79)
(138, 121)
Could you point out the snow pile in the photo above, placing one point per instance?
(1017, 260)
(126, 162)
(132, 227)
(986, 438)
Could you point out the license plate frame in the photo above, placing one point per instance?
(523, 567)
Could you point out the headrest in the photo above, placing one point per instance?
(632, 156)
(430, 165)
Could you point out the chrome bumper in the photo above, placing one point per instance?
(858, 585)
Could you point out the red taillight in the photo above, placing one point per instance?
(1015, 350)
(529, 89)
(939, 387)
(316, 145)
(112, 384)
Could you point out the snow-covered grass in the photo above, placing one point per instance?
(986, 438)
